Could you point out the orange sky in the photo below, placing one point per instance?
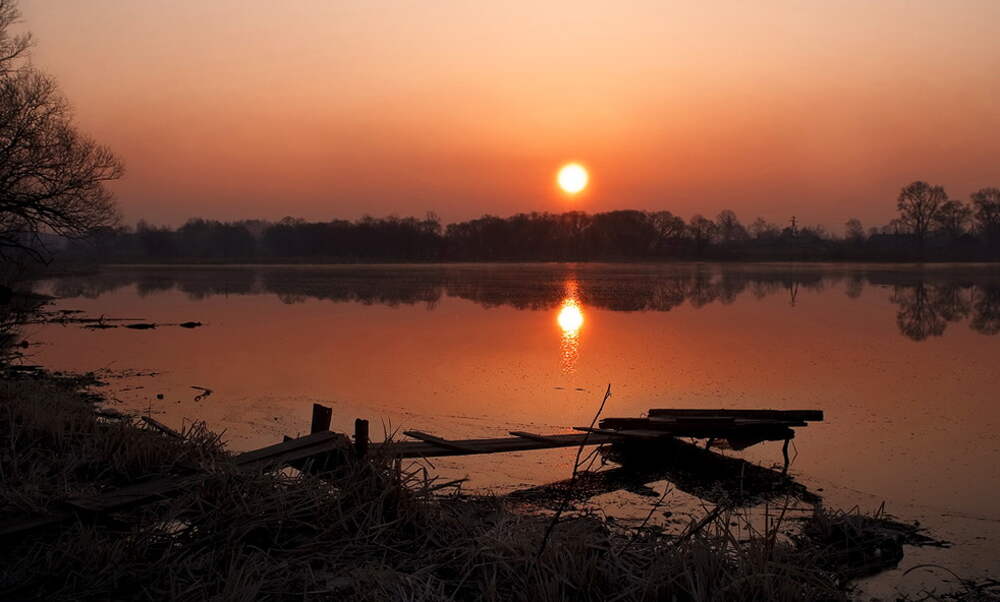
(237, 109)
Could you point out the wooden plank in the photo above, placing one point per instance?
(421, 449)
(286, 452)
(625, 433)
(695, 427)
(289, 448)
(440, 442)
(546, 439)
(804, 415)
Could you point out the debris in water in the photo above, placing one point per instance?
(141, 326)
(204, 392)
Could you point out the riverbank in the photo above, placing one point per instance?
(370, 531)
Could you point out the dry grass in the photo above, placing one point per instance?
(369, 532)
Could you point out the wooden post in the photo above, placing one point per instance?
(322, 416)
(360, 437)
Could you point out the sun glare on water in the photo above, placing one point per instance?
(572, 178)
(570, 318)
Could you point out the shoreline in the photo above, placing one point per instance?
(784, 566)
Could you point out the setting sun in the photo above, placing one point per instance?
(573, 178)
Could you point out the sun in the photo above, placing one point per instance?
(572, 178)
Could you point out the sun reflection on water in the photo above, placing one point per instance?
(570, 320)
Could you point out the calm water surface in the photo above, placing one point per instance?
(904, 360)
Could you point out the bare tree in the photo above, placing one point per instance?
(52, 178)
(854, 231)
(701, 230)
(918, 204)
(987, 211)
(762, 229)
(729, 227)
(953, 218)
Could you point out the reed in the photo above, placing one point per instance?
(372, 530)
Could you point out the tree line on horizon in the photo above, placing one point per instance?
(929, 226)
(53, 196)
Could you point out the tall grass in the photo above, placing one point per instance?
(369, 531)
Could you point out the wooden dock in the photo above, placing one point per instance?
(323, 450)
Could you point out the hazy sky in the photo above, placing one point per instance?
(316, 108)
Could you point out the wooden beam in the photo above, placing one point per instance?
(539, 438)
(440, 442)
(804, 415)
(625, 433)
(423, 449)
(293, 448)
(701, 427)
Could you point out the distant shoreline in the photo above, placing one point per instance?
(286, 261)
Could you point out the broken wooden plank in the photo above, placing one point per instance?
(453, 445)
(804, 415)
(313, 447)
(166, 430)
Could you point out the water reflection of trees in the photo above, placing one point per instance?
(927, 301)
(926, 307)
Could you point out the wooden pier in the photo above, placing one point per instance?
(323, 450)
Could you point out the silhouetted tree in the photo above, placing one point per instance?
(701, 230)
(761, 230)
(729, 228)
(670, 231)
(986, 204)
(918, 205)
(854, 231)
(953, 218)
(51, 177)
(156, 242)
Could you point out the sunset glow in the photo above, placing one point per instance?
(573, 178)
(473, 217)
(337, 110)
